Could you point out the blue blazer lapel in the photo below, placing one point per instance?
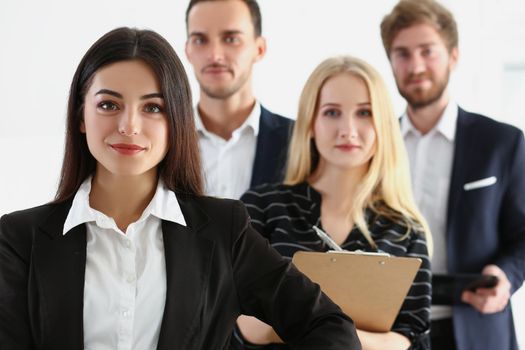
(271, 150)
(58, 268)
(262, 150)
(463, 143)
(188, 264)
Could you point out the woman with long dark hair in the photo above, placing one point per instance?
(130, 255)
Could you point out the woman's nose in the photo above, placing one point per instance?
(129, 123)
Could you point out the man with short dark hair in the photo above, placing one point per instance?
(242, 144)
(468, 179)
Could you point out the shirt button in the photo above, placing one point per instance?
(127, 243)
(130, 278)
(125, 313)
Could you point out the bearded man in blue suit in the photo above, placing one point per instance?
(468, 175)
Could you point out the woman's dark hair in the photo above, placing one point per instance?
(180, 169)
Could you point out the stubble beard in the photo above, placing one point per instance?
(420, 98)
(225, 92)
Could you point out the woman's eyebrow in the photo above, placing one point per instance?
(119, 95)
(152, 95)
(109, 92)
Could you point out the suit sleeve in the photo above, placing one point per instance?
(511, 257)
(273, 290)
(15, 331)
(254, 203)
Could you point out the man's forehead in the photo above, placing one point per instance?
(220, 16)
(419, 35)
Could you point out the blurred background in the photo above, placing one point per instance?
(42, 42)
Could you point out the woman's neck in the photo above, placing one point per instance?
(337, 186)
(122, 198)
(338, 189)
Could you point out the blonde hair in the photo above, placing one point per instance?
(385, 188)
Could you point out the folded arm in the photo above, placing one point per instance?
(273, 290)
(260, 333)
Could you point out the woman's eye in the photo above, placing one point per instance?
(364, 113)
(108, 106)
(331, 113)
(153, 108)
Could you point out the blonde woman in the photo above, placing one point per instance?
(348, 174)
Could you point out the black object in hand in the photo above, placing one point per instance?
(447, 289)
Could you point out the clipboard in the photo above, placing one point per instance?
(368, 287)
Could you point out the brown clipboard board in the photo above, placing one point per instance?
(370, 288)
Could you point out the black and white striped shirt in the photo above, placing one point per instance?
(285, 215)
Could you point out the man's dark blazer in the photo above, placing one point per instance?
(486, 225)
(217, 268)
(272, 148)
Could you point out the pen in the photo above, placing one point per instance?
(326, 239)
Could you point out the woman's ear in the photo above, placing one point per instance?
(82, 126)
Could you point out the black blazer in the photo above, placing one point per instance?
(272, 148)
(486, 225)
(217, 268)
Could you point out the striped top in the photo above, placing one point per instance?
(285, 215)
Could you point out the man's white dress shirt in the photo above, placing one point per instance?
(125, 276)
(431, 157)
(228, 164)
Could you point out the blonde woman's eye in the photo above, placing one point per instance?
(331, 113)
(364, 113)
(107, 106)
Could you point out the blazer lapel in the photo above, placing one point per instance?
(59, 267)
(259, 171)
(462, 149)
(188, 263)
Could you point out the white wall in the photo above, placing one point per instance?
(43, 41)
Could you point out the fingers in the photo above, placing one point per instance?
(490, 300)
(486, 304)
(487, 292)
(495, 271)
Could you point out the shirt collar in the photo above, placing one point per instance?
(163, 205)
(446, 125)
(252, 120)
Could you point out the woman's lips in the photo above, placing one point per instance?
(127, 149)
(346, 147)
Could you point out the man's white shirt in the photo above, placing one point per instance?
(227, 164)
(431, 157)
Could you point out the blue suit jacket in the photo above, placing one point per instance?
(486, 225)
(272, 148)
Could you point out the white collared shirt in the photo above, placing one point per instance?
(125, 277)
(227, 164)
(431, 157)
